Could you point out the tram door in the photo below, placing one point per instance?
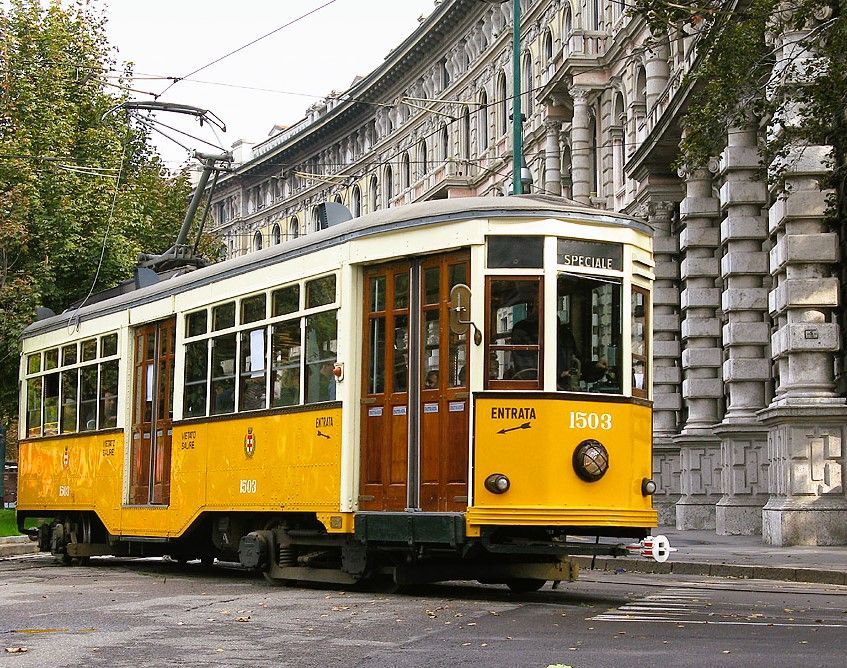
(152, 421)
(415, 400)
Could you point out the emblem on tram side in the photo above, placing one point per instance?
(66, 459)
(249, 442)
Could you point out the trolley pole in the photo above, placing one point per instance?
(517, 116)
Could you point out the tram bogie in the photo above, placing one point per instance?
(449, 390)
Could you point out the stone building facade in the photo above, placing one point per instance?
(749, 369)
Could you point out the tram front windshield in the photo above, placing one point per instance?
(588, 334)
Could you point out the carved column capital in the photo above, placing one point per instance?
(580, 93)
(661, 210)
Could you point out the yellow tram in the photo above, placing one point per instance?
(452, 389)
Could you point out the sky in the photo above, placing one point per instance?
(321, 53)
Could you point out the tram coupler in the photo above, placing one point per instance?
(653, 547)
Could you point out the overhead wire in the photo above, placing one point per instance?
(71, 326)
(249, 44)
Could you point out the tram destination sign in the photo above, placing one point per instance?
(589, 254)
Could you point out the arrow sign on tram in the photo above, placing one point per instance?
(525, 425)
(320, 433)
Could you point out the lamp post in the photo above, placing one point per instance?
(517, 116)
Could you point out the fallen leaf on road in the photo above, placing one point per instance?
(17, 650)
(245, 618)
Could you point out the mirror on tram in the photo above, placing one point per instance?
(460, 311)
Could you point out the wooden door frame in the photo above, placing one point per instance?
(158, 328)
(414, 407)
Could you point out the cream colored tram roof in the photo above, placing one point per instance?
(432, 212)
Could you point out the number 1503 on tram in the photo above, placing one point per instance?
(452, 389)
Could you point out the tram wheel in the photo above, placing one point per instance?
(525, 585)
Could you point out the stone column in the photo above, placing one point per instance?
(657, 72)
(581, 146)
(806, 419)
(552, 157)
(667, 399)
(747, 365)
(702, 389)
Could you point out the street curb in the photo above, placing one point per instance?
(11, 546)
(723, 570)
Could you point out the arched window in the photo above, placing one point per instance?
(445, 74)
(567, 28)
(640, 84)
(339, 199)
(374, 194)
(618, 141)
(445, 142)
(257, 241)
(595, 172)
(405, 172)
(422, 157)
(482, 123)
(276, 234)
(466, 133)
(293, 228)
(356, 202)
(316, 220)
(502, 105)
(548, 47)
(388, 185)
(527, 84)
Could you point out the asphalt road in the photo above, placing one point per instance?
(153, 613)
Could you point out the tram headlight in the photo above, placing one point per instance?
(648, 487)
(497, 483)
(591, 460)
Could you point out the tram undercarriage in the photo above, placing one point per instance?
(408, 548)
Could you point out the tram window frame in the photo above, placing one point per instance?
(492, 350)
(71, 395)
(293, 307)
(640, 359)
(583, 362)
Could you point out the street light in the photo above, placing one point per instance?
(518, 164)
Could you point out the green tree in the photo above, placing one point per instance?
(80, 194)
(735, 74)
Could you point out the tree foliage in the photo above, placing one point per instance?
(80, 194)
(741, 72)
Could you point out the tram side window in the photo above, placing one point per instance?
(285, 353)
(320, 292)
(70, 385)
(252, 388)
(66, 396)
(196, 373)
(88, 398)
(223, 316)
(286, 300)
(640, 353)
(196, 323)
(223, 374)
(515, 326)
(51, 402)
(588, 346)
(33, 406)
(108, 395)
(321, 355)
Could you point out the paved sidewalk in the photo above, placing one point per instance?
(698, 553)
(705, 553)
